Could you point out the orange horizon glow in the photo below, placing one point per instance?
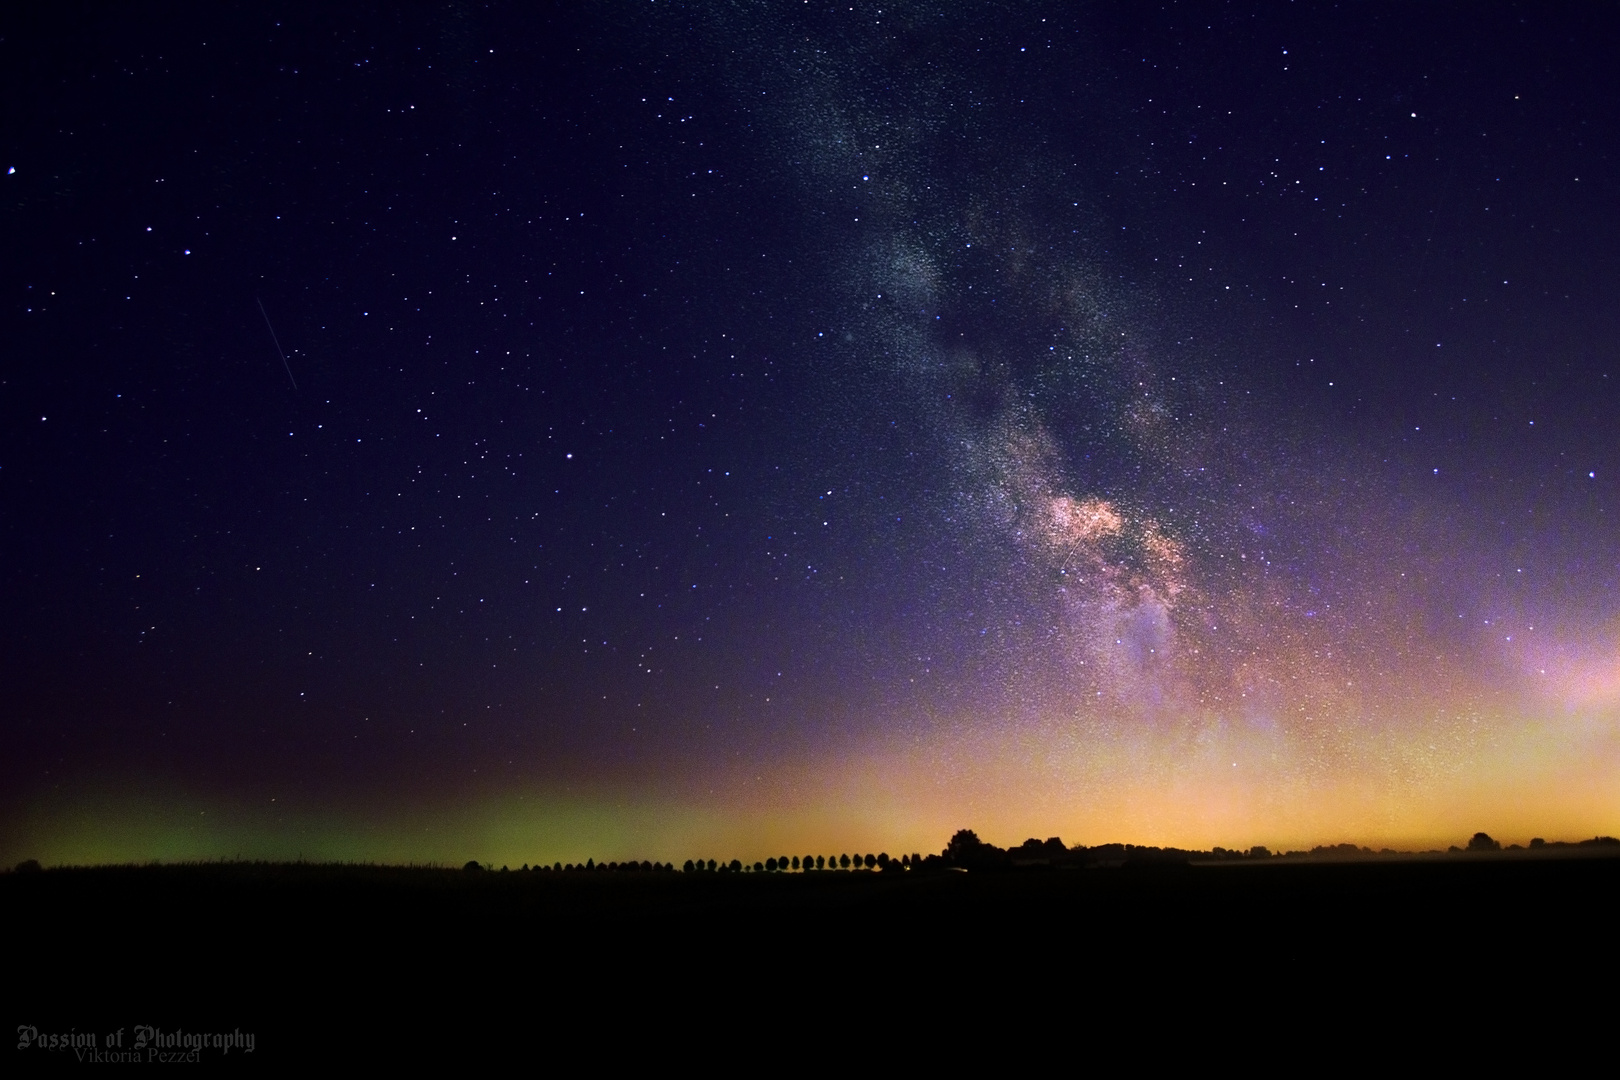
(1551, 776)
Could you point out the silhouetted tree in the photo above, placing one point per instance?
(688, 866)
(770, 864)
(820, 862)
(736, 866)
(711, 864)
(28, 866)
(870, 860)
(795, 862)
(1482, 842)
(843, 860)
(472, 865)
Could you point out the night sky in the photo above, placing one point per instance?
(669, 430)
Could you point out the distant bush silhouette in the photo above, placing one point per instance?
(820, 862)
(472, 865)
(967, 851)
(1483, 842)
(843, 860)
(870, 860)
(28, 866)
(736, 866)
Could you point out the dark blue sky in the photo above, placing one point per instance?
(686, 394)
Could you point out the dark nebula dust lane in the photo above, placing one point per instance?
(750, 428)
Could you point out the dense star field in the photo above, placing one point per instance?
(643, 430)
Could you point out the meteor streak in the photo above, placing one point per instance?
(277, 340)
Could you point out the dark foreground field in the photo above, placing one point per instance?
(322, 961)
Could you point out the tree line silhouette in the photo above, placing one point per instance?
(966, 851)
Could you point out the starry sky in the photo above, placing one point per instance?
(530, 432)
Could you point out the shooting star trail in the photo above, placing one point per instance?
(277, 340)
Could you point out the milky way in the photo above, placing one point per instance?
(1179, 579)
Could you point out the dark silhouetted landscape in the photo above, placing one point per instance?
(400, 949)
